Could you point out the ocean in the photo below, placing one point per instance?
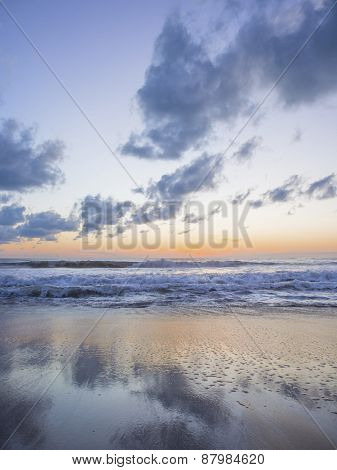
(296, 282)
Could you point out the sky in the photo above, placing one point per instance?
(132, 129)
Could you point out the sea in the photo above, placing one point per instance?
(295, 282)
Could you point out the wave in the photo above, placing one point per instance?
(279, 287)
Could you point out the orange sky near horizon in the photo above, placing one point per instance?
(69, 248)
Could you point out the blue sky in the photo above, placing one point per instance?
(195, 94)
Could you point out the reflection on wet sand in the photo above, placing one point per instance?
(162, 380)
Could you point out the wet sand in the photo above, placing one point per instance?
(167, 379)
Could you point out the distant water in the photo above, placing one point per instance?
(291, 282)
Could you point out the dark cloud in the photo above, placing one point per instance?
(256, 204)
(25, 165)
(152, 211)
(8, 234)
(312, 75)
(294, 189)
(325, 188)
(187, 91)
(46, 225)
(136, 147)
(197, 175)
(11, 215)
(164, 198)
(97, 212)
(247, 149)
(286, 191)
(184, 91)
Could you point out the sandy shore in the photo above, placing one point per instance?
(163, 379)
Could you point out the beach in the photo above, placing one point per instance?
(188, 377)
(168, 249)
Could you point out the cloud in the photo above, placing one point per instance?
(286, 191)
(194, 176)
(187, 90)
(152, 211)
(11, 215)
(24, 165)
(97, 212)
(182, 95)
(46, 225)
(8, 234)
(164, 197)
(311, 76)
(135, 146)
(247, 149)
(325, 188)
(294, 189)
(256, 204)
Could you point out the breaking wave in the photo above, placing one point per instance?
(268, 283)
